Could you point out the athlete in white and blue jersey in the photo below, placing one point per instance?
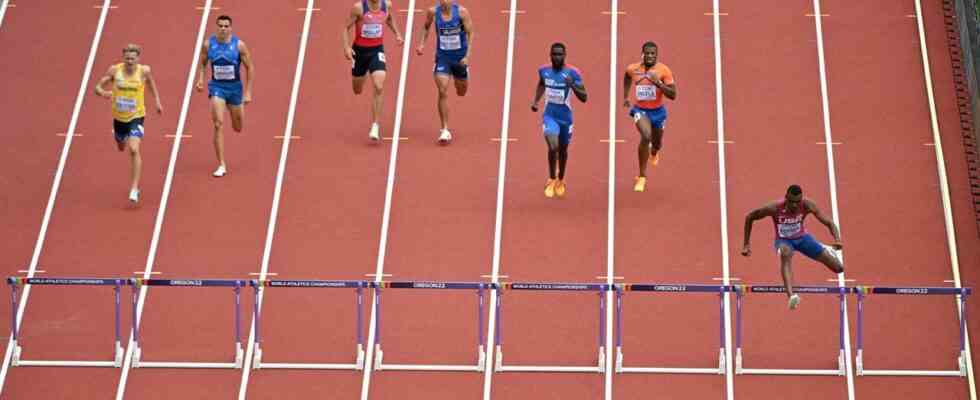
(454, 39)
(557, 82)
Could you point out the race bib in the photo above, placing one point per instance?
(646, 92)
(555, 96)
(125, 104)
(450, 42)
(371, 31)
(788, 230)
(224, 72)
(381, 57)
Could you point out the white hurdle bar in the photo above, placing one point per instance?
(237, 285)
(359, 287)
(863, 291)
(671, 288)
(740, 290)
(481, 356)
(600, 365)
(16, 282)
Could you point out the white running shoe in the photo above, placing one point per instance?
(375, 133)
(794, 301)
(134, 195)
(445, 137)
(221, 171)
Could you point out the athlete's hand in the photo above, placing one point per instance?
(534, 107)
(746, 250)
(626, 103)
(418, 50)
(465, 61)
(105, 94)
(199, 85)
(399, 39)
(159, 108)
(247, 98)
(348, 53)
(837, 245)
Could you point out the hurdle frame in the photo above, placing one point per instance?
(960, 293)
(840, 291)
(601, 289)
(118, 352)
(670, 288)
(480, 287)
(237, 285)
(359, 287)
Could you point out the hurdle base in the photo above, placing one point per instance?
(16, 361)
(500, 367)
(860, 371)
(720, 370)
(138, 362)
(257, 362)
(739, 370)
(379, 364)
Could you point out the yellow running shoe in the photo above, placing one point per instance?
(549, 188)
(641, 184)
(560, 188)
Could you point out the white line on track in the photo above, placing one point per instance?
(389, 189)
(723, 198)
(499, 212)
(3, 10)
(57, 182)
(944, 188)
(165, 196)
(277, 192)
(611, 206)
(832, 178)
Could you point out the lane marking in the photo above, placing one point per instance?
(416, 10)
(612, 141)
(401, 138)
(98, 6)
(610, 13)
(262, 275)
(928, 144)
(199, 8)
(63, 134)
(25, 271)
(611, 195)
(814, 14)
(144, 272)
(496, 139)
(284, 137)
(304, 9)
(723, 278)
(832, 143)
(837, 280)
(618, 278)
(174, 136)
(514, 11)
(715, 13)
(382, 275)
(721, 141)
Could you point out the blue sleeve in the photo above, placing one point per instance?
(576, 78)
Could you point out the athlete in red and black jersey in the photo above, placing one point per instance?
(367, 52)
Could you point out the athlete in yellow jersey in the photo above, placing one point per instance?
(128, 80)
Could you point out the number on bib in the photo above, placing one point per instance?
(224, 72)
(125, 104)
(646, 92)
(450, 42)
(381, 57)
(555, 96)
(787, 230)
(372, 31)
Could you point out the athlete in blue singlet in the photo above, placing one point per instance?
(557, 82)
(227, 55)
(454, 39)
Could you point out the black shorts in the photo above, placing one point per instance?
(123, 130)
(368, 59)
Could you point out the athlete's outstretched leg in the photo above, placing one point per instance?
(829, 259)
(785, 262)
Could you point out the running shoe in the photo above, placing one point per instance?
(445, 137)
(134, 195)
(640, 184)
(794, 301)
(221, 171)
(560, 188)
(549, 188)
(375, 133)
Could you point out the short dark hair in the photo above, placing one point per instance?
(649, 44)
(223, 17)
(558, 45)
(794, 190)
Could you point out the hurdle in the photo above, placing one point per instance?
(600, 366)
(864, 291)
(16, 282)
(359, 287)
(138, 283)
(480, 289)
(670, 288)
(825, 290)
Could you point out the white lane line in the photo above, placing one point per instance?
(164, 197)
(389, 189)
(86, 75)
(277, 193)
(944, 188)
(499, 212)
(3, 10)
(832, 178)
(611, 196)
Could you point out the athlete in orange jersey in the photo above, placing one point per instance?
(653, 81)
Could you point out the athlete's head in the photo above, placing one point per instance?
(445, 4)
(224, 26)
(650, 54)
(558, 55)
(794, 197)
(131, 54)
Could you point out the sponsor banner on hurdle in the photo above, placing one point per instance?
(358, 286)
(601, 289)
(671, 288)
(17, 282)
(236, 285)
(480, 289)
(864, 291)
(743, 290)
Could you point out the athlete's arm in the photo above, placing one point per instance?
(669, 90)
(203, 66)
(429, 18)
(464, 15)
(246, 56)
(627, 84)
(99, 91)
(538, 92)
(355, 13)
(812, 207)
(152, 85)
(767, 210)
(579, 89)
(394, 25)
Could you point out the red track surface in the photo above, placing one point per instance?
(443, 205)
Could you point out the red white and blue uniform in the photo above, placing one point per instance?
(557, 116)
(791, 231)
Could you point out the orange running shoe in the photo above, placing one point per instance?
(549, 188)
(560, 188)
(641, 184)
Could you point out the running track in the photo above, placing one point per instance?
(441, 216)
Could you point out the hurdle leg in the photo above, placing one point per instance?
(14, 328)
(602, 331)
(137, 351)
(359, 303)
(738, 332)
(840, 355)
(499, 359)
(239, 352)
(118, 350)
(721, 331)
(256, 316)
(619, 331)
(378, 354)
(961, 360)
(859, 358)
(481, 356)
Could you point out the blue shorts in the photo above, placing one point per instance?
(557, 127)
(450, 65)
(123, 130)
(231, 92)
(805, 244)
(657, 116)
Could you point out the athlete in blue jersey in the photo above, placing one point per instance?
(556, 82)
(454, 39)
(227, 55)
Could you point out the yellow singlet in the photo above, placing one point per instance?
(127, 94)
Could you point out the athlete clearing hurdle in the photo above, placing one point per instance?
(557, 82)
(788, 215)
